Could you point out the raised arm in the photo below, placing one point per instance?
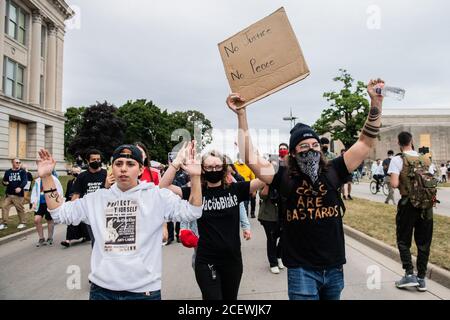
(45, 166)
(360, 150)
(260, 166)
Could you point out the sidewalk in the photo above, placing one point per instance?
(19, 259)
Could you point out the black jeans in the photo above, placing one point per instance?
(170, 230)
(273, 233)
(410, 219)
(218, 282)
(378, 178)
(252, 207)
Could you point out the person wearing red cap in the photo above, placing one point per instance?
(311, 206)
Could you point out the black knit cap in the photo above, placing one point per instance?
(299, 133)
(136, 154)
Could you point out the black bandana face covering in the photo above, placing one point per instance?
(308, 161)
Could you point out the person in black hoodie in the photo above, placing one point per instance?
(15, 180)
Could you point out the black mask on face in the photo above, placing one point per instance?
(75, 174)
(213, 176)
(95, 164)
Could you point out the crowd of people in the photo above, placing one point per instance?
(128, 209)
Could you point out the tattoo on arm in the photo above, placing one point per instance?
(370, 130)
(55, 195)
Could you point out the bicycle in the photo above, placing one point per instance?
(383, 186)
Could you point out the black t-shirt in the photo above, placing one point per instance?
(386, 163)
(88, 182)
(313, 235)
(219, 227)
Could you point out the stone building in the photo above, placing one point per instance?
(31, 79)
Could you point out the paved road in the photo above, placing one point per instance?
(27, 272)
(362, 191)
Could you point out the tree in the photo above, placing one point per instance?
(147, 123)
(347, 113)
(72, 125)
(187, 120)
(101, 129)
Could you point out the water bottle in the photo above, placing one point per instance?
(391, 92)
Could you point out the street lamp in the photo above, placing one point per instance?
(291, 119)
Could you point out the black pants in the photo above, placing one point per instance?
(410, 219)
(218, 282)
(273, 233)
(170, 230)
(378, 178)
(252, 207)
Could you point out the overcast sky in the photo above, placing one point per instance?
(166, 51)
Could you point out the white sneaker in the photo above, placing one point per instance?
(275, 270)
(21, 226)
(3, 226)
(280, 264)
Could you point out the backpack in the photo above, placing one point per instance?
(421, 185)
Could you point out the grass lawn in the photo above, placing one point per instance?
(14, 220)
(378, 221)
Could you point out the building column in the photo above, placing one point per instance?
(35, 139)
(2, 40)
(59, 67)
(50, 92)
(35, 63)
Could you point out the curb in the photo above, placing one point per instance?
(18, 235)
(434, 272)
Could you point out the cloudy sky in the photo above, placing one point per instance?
(166, 51)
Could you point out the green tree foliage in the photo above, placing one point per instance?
(101, 129)
(159, 130)
(72, 125)
(347, 112)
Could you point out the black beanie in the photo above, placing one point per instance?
(299, 133)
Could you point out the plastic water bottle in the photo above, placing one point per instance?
(391, 92)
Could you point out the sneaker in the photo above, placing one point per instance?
(275, 270)
(350, 197)
(409, 280)
(3, 226)
(40, 243)
(21, 226)
(280, 264)
(422, 285)
(344, 197)
(65, 244)
(50, 241)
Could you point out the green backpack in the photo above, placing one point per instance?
(421, 185)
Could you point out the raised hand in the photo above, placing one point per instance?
(372, 86)
(192, 165)
(182, 155)
(45, 163)
(234, 102)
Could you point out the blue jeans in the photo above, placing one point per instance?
(99, 293)
(307, 284)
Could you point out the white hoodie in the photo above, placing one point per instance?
(127, 227)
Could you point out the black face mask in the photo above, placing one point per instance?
(75, 174)
(94, 165)
(213, 176)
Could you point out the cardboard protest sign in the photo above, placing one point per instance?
(263, 58)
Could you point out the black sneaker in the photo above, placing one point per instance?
(65, 244)
(350, 197)
(344, 197)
